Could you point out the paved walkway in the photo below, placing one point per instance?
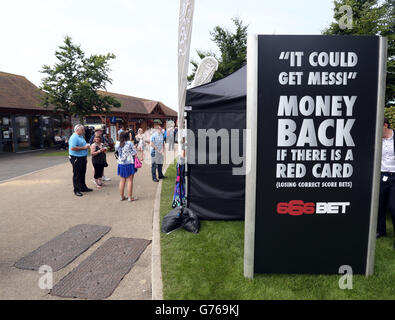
(13, 165)
(37, 207)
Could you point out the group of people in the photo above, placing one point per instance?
(62, 140)
(156, 137)
(129, 147)
(78, 153)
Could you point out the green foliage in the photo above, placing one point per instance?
(371, 17)
(389, 113)
(232, 47)
(71, 84)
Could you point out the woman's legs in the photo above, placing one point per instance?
(98, 174)
(122, 187)
(130, 185)
(95, 176)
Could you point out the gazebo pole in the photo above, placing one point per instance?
(184, 43)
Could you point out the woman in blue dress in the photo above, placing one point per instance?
(126, 169)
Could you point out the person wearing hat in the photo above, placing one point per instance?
(98, 132)
(387, 181)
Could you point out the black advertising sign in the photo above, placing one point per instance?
(316, 138)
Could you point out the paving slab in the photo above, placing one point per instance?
(60, 251)
(99, 275)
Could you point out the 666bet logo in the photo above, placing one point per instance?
(299, 207)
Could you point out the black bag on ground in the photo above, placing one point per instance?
(173, 220)
(190, 221)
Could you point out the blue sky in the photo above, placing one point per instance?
(142, 34)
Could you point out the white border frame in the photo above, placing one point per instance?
(251, 153)
(382, 67)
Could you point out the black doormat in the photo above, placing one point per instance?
(63, 249)
(98, 275)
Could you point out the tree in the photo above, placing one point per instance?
(371, 17)
(232, 47)
(71, 85)
(389, 113)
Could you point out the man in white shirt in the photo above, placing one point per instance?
(120, 131)
(387, 182)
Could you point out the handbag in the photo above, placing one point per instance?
(137, 163)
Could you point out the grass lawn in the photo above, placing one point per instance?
(59, 153)
(209, 265)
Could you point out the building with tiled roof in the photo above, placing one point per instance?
(18, 92)
(25, 124)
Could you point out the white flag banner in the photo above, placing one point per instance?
(184, 43)
(205, 71)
